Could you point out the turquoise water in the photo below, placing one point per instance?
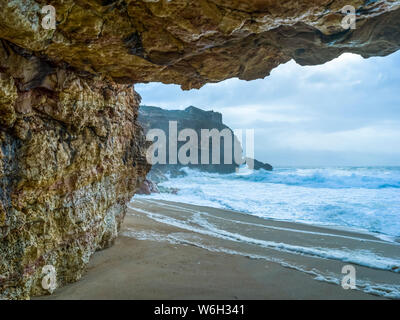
(360, 198)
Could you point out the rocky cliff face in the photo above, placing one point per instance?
(197, 120)
(72, 153)
(71, 156)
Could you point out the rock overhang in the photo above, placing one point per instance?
(194, 42)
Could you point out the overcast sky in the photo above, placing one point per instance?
(345, 112)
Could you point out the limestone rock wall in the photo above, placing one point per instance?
(71, 156)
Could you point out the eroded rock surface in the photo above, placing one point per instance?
(71, 156)
(193, 42)
(71, 151)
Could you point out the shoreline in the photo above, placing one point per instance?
(334, 227)
(159, 260)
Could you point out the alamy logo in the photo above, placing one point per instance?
(194, 150)
(49, 20)
(349, 280)
(349, 21)
(49, 280)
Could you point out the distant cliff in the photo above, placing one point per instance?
(190, 118)
(196, 119)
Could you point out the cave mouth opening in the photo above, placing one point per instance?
(331, 133)
(342, 113)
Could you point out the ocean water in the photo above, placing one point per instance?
(366, 200)
(358, 198)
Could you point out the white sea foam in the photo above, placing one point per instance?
(380, 289)
(363, 199)
(325, 234)
(359, 199)
(201, 226)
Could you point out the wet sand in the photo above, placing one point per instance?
(156, 259)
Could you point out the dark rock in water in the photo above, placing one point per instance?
(168, 190)
(259, 165)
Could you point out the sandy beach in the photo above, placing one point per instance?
(166, 251)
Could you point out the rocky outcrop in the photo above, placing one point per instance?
(71, 156)
(71, 151)
(257, 165)
(193, 42)
(148, 187)
(151, 118)
(197, 120)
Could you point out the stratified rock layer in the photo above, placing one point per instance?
(195, 119)
(71, 152)
(193, 42)
(71, 156)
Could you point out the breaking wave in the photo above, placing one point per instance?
(364, 199)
